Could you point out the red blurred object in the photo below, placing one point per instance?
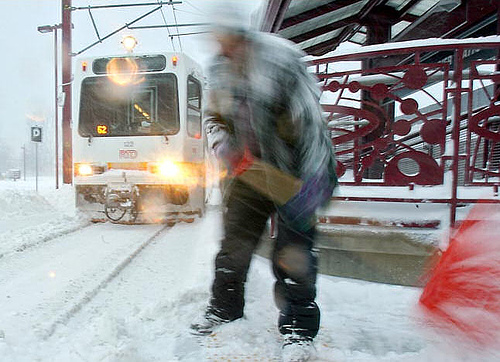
(245, 163)
(463, 291)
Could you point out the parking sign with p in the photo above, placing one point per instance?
(36, 134)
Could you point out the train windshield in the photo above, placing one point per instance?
(147, 106)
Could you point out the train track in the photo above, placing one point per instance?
(39, 240)
(47, 286)
(90, 294)
(30, 241)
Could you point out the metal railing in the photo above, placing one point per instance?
(407, 114)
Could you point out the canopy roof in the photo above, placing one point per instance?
(319, 26)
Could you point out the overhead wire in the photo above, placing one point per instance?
(199, 12)
(177, 27)
(195, 7)
(168, 29)
(189, 12)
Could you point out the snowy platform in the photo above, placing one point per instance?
(380, 254)
(387, 242)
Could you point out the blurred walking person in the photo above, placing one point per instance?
(263, 109)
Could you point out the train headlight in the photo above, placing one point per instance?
(84, 169)
(169, 169)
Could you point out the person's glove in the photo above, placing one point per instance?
(216, 134)
(225, 149)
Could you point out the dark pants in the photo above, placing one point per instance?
(294, 263)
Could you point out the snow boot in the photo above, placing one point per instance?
(297, 348)
(206, 322)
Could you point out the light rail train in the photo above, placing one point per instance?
(138, 145)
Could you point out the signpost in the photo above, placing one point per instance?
(36, 136)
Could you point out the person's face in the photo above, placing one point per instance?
(232, 46)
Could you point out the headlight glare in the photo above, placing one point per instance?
(169, 169)
(84, 169)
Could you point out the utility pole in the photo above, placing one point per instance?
(53, 29)
(66, 88)
(24, 161)
(56, 110)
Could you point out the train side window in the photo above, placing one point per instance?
(194, 108)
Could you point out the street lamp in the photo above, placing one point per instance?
(53, 29)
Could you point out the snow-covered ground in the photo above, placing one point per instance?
(70, 291)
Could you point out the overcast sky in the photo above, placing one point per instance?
(27, 62)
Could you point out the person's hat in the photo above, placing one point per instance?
(230, 19)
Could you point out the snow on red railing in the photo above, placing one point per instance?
(409, 113)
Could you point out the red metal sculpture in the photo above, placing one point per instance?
(409, 122)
